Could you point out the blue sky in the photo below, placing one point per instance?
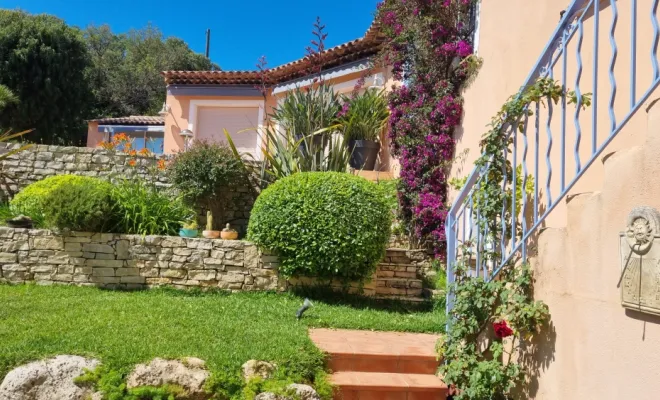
(241, 30)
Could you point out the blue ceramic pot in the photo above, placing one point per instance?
(188, 233)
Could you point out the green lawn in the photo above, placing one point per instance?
(125, 328)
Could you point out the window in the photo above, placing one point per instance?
(153, 141)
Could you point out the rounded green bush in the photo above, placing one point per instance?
(327, 225)
(80, 205)
(30, 200)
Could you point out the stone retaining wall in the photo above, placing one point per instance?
(135, 262)
(41, 161)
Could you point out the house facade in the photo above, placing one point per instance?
(200, 105)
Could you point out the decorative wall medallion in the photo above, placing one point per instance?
(640, 261)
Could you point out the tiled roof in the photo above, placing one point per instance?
(366, 46)
(132, 120)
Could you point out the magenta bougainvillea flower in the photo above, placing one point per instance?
(424, 38)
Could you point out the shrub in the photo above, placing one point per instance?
(323, 224)
(79, 206)
(204, 172)
(143, 209)
(30, 200)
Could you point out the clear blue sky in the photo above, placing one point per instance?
(242, 30)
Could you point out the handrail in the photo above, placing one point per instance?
(465, 226)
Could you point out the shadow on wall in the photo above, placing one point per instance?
(536, 358)
(643, 317)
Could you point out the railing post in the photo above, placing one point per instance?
(451, 257)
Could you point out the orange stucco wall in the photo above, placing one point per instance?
(593, 349)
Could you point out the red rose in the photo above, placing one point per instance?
(502, 330)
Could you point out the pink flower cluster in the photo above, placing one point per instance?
(427, 109)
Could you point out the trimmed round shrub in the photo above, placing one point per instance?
(30, 201)
(84, 205)
(327, 225)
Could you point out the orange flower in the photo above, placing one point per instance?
(131, 163)
(161, 164)
(132, 153)
(106, 145)
(120, 137)
(145, 152)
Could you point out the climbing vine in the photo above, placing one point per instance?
(429, 48)
(493, 322)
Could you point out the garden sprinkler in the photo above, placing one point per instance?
(306, 305)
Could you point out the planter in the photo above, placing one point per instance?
(228, 233)
(188, 233)
(364, 154)
(211, 234)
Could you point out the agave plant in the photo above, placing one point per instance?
(308, 110)
(282, 154)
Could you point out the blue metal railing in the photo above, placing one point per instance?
(465, 225)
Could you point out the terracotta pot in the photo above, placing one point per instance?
(211, 234)
(231, 235)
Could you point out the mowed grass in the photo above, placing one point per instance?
(125, 328)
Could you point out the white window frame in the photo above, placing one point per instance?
(259, 104)
(477, 28)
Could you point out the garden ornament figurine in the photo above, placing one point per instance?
(306, 305)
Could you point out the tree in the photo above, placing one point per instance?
(125, 69)
(43, 61)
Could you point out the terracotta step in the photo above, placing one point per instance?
(387, 386)
(367, 351)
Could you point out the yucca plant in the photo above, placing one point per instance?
(365, 115)
(6, 97)
(308, 110)
(282, 154)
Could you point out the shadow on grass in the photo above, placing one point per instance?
(328, 295)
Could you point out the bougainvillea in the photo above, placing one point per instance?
(429, 48)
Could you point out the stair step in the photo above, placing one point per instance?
(390, 386)
(366, 351)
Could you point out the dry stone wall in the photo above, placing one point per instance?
(135, 262)
(41, 161)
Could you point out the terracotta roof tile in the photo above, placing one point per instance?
(366, 46)
(132, 120)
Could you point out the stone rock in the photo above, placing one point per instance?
(254, 368)
(268, 396)
(47, 380)
(189, 373)
(304, 392)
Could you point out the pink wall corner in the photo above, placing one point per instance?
(94, 137)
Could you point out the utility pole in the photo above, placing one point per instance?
(208, 42)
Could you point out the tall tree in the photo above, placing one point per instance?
(125, 69)
(43, 61)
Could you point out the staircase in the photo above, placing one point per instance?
(381, 365)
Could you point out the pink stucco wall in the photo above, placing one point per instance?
(94, 137)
